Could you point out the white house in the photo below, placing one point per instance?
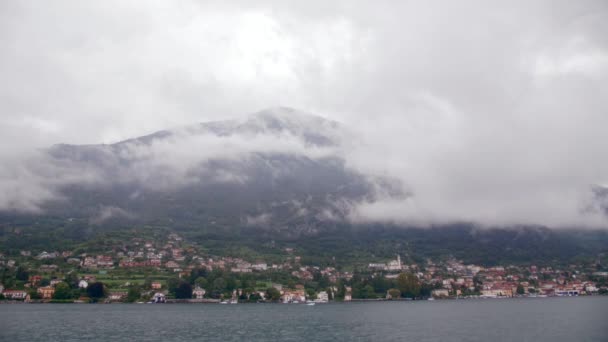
(14, 294)
(440, 293)
(377, 266)
(348, 296)
(261, 266)
(591, 289)
(118, 295)
(322, 297)
(395, 265)
(198, 293)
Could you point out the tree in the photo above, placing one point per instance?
(254, 297)
(96, 290)
(426, 290)
(361, 290)
(394, 293)
(250, 294)
(201, 282)
(198, 273)
(62, 291)
(249, 283)
(380, 284)
(231, 284)
(72, 279)
(409, 285)
(22, 274)
(341, 290)
(33, 294)
(520, 289)
(324, 282)
(311, 293)
(134, 294)
(368, 292)
(273, 294)
(219, 284)
(183, 291)
(172, 284)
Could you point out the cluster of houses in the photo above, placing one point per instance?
(45, 292)
(456, 279)
(448, 278)
(392, 266)
(298, 295)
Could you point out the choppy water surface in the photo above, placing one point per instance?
(546, 319)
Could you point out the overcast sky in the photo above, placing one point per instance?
(501, 106)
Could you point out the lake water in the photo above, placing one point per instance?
(540, 319)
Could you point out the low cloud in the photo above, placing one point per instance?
(258, 220)
(187, 156)
(432, 181)
(31, 179)
(491, 113)
(110, 212)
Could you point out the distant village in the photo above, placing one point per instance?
(171, 270)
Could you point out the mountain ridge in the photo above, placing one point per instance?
(279, 154)
(251, 182)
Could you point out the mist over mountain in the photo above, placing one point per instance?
(275, 167)
(278, 167)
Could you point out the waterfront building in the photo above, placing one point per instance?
(46, 292)
(322, 297)
(14, 294)
(198, 292)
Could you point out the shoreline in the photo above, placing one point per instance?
(211, 302)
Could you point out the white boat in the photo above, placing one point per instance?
(431, 298)
(234, 301)
(224, 302)
(310, 304)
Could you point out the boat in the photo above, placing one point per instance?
(159, 298)
(224, 302)
(234, 301)
(310, 304)
(431, 298)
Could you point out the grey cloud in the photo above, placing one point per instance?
(258, 220)
(108, 212)
(187, 155)
(486, 112)
(27, 181)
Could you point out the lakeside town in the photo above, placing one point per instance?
(172, 270)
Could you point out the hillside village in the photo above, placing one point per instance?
(171, 270)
